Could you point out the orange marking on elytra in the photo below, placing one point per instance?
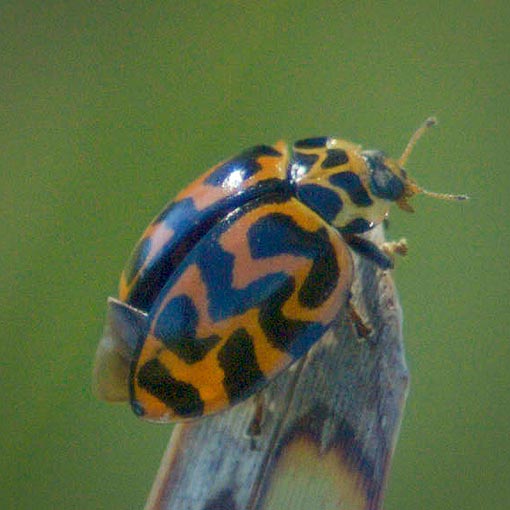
(160, 235)
(247, 269)
(124, 288)
(205, 375)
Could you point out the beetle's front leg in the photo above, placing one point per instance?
(383, 256)
(392, 248)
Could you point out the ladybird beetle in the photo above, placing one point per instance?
(243, 272)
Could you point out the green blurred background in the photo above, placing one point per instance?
(108, 108)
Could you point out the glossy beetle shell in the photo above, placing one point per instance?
(241, 274)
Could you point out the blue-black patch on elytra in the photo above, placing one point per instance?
(312, 143)
(335, 157)
(137, 408)
(183, 398)
(216, 268)
(176, 327)
(351, 183)
(324, 201)
(238, 360)
(282, 235)
(185, 235)
(153, 277)
(245, 163)
(189, 225)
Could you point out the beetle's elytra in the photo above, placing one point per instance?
(243, 272)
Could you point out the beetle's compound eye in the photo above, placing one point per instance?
(384, 181)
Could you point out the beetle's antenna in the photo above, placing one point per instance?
(443, 196)
(431, 121)
(411, 187)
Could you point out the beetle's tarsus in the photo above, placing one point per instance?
(394, 248)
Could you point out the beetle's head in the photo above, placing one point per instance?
(389, 180)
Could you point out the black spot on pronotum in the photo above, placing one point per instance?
(183, 398)
(352, 184)
(335, 157)
(312, 143)
(300, 165)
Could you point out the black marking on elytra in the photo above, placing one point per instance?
(176, 328)
(282, 235)
(183, 398)
(280, 330)
(352, 184)
(246, 163)
(323, 276)
(238, 360)
(312, 143)
(335, 157)
(324, 201)
(369, 250)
